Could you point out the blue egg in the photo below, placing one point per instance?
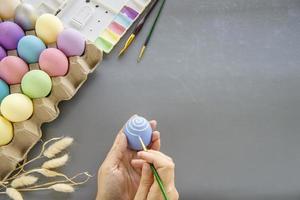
(4, 90)
(138, 127)
(29, 48)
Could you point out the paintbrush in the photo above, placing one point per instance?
(138, 27)
(150, 33)
(155, 173)
(61, 7)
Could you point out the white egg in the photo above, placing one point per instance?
(7, 8)
(26, 16)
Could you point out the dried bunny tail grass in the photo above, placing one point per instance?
(3, 184)
(62, 188)
(24, 181)
(58, 147)
(14, 194)
(70, 181)
(48, 173)
(55, 163)
(20, 168)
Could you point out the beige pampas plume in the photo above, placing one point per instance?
(58, 147)
(62, 188)
(13, 194)
(24, 181)
(55, 163)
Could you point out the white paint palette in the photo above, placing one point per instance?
(101, 21)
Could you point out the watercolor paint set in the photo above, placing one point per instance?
(103, 21)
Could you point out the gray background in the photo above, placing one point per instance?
(222, 78)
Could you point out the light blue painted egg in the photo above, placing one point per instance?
(30, 47)
(138, 127)
(4, 90)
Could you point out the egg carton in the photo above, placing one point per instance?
(28, 133)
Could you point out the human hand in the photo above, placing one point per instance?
(149, 188)
(117, 178)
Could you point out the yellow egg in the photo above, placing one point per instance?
(16, 107)
(7, 8)
(6, 131)
(48, 27)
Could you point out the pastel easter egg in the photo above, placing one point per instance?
(6, 131)
(54, 62)
(36, 84)
(12, 69)
(48, 27)
(10, 35)
(4, 90)
(71, 42)
(30, 47)
(16, 107)
(2, 53)
(7, 8)
(26, 16)
(138, 127)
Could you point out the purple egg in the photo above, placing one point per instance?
(71, 42)
(2, 53)
(10, 34)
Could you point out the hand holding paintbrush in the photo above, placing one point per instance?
(139, 133)
(159, 162)
(127, 174)
(164, 169)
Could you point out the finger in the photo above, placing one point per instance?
(153, 124)
(138, 163)
(155, 143)
(116, 152)
(158, 159)
(145, 183)
(158, 153)
(163, 164)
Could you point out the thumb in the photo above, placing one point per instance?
(145, 183)
(116, 152)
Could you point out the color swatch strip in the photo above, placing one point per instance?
(118, 27)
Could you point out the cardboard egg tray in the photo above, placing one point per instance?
(28, 133)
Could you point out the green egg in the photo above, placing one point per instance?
(36, 84)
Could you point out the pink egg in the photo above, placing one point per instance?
(54, 62)
(12, 69)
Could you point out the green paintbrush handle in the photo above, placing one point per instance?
(159, 181)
